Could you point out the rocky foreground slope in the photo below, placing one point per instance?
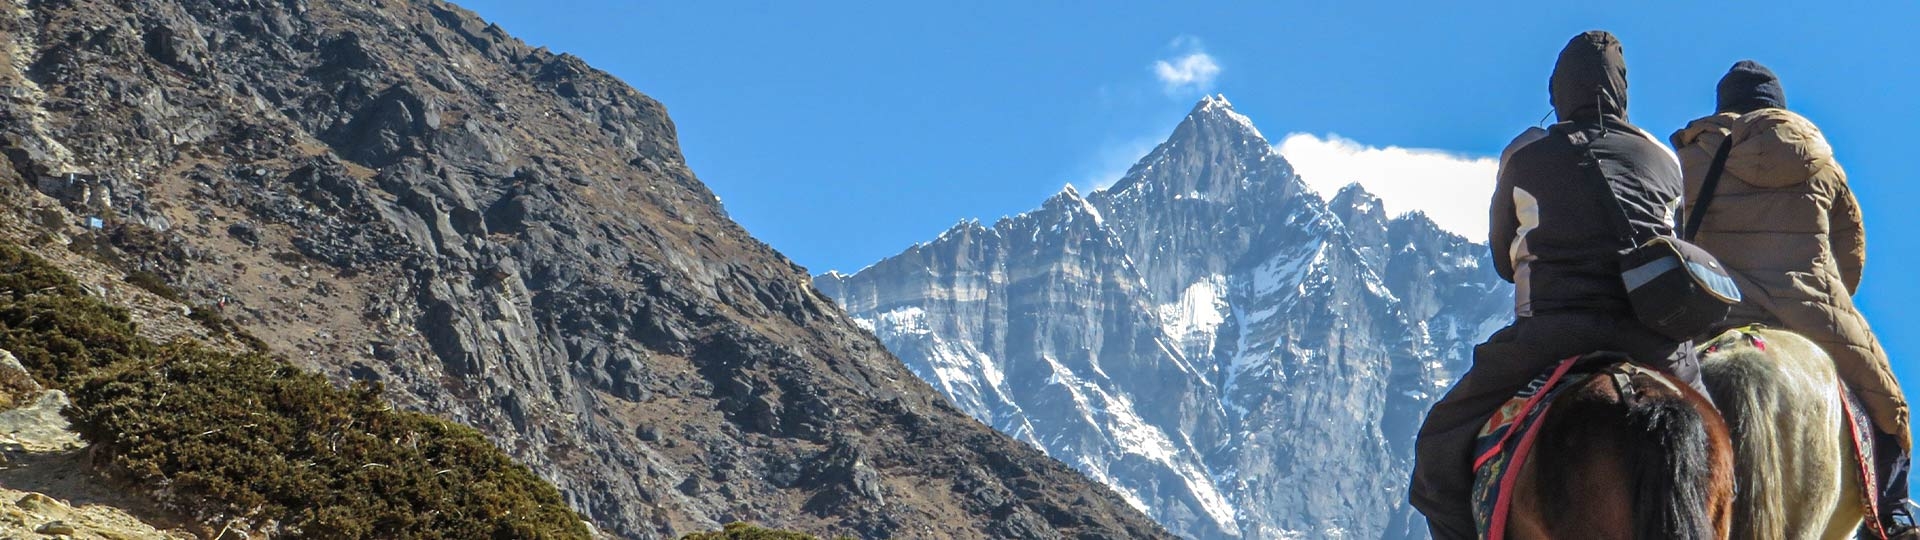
(396, 191)
(47, 487)
(1233, 354)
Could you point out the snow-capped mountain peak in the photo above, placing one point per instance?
(1216, 108)
(1230, 352)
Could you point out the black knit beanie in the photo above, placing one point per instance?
(1748, 87)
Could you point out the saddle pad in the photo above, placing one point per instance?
(1860, 430)
(1504, 443)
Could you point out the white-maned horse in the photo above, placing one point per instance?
(1797, 473)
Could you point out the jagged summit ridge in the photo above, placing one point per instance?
(1229, 351)
(1216, 109)
(1211, 135)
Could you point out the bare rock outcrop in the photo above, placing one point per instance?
(398, 191)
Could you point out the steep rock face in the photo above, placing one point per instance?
(967, 326)
(397, 191)
(1230, 352)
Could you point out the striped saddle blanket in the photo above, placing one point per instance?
(1502, 447)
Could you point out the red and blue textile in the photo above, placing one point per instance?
(1504, 443)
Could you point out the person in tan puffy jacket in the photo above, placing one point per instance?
(1784, 222)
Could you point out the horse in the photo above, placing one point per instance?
(1798, 477)
(1626, 453)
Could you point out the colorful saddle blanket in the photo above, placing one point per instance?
(1505, 442)
(1860, 427)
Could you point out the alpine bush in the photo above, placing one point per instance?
(247, 436)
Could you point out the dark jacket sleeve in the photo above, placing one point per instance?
(1503, 226)
(1849, 237)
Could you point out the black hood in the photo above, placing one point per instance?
(1749, 87)
(1591, 74)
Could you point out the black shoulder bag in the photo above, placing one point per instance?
(1676, 288)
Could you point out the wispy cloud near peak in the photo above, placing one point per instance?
(1450, 188)
(1190, 70)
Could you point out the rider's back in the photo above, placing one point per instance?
(1554, 230)
(1570, 192)
(1788, 228)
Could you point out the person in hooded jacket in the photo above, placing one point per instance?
(1789, 230)
(1569, 201)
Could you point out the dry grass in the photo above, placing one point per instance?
(743, 531)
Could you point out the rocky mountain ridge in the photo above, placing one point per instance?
(398, 192)
(1233, 354)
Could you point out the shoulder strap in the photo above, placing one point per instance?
(1590, 163)
(1707, 187)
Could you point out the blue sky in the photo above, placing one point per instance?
(841, 133)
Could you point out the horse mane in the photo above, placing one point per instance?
(1673, 466)
(1652, 446)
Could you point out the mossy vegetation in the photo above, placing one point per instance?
(220, 326)
(153, 283)
(743, 531)
(247, 436)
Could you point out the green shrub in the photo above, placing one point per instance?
(153, 283)
(63, 339)
(22, 273)
(743, 531)
(219, 326)
(246, 435)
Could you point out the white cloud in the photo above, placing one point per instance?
(1192, 70)
(1450, 188)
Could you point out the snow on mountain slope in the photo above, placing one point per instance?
(1231, 353)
